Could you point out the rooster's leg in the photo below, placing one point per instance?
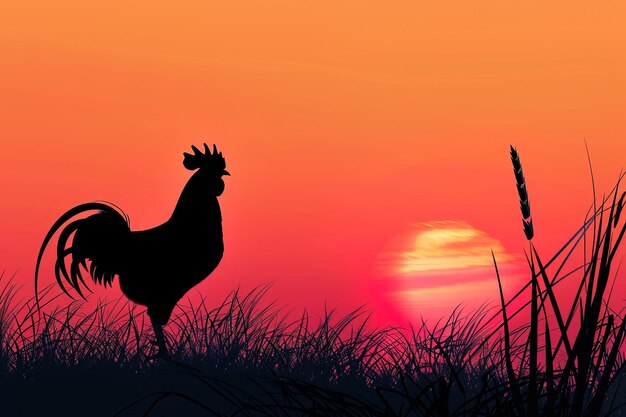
(160, 339)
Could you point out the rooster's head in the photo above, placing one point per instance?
(211, 168)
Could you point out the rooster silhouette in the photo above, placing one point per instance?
(155, 267)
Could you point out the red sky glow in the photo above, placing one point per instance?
(356, 133)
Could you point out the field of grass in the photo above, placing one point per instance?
(246, 358)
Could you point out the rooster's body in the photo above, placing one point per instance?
(156, 267)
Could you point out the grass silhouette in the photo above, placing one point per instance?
(246, 358)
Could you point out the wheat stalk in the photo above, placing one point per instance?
(523, 194)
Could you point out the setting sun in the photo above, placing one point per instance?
(433, 266)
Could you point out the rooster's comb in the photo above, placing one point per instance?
(214, 161)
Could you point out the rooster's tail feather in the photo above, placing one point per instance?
(95, 238)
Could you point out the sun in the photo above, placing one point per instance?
(433, 266)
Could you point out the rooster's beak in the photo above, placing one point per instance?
(225, 173)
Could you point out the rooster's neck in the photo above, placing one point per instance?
(196, 204)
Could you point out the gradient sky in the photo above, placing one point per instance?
(349, 129)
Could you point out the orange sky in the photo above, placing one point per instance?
(342, 124)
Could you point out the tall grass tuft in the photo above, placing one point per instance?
(591, 362)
